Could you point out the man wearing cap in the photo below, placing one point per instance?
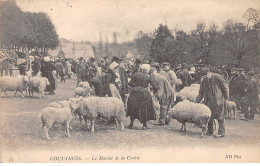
(240, 87)
(164, 94)
(185, 76)
(82, 70)
(170, 75)
(60, 70)
(215, 92)
(251, 97)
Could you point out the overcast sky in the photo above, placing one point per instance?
(85, 19)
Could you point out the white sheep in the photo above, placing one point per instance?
(105, 107)
(190, 93)
(231, 106)
(190, 112)
(79, 91)
(38, 84)
(17, 84)
(84, 85)
(50, 114)
(64, 103)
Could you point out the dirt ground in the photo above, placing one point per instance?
(19, 130)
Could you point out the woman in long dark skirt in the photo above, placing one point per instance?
(140, 103)
(47, 68)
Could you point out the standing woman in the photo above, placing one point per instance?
(46, 68)
(140, 103)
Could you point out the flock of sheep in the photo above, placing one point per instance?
(22, 83)
(91, 107)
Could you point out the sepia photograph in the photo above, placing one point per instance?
(130, 81)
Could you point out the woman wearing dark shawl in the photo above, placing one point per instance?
(46, 68)
(140, 103)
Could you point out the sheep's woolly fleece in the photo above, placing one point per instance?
(39, 82)
(12, 83)
(187, 111)
(81, 91)
(104, 106)
(84, 85)
(190, 92)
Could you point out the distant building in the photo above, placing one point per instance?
(70, 49)
(61, 54)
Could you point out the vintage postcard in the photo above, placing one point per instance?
(129, 81)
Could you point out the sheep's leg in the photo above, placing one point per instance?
(42, 94)
(184, 127)
(88, 123)
(116, 123)
(15, 93)
(46, 132)
(204, 130)
(5, 93)
(80, 120)
(71, 127)
(68, 129)
(92, 126)
(235, 109)
(22, 93)
(42, 131)
(181, 127)
(122, 125)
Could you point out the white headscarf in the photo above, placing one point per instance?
(145, 67)
(46, 59)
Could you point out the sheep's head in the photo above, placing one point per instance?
(25, 80)
(47, 81)
(92, 92)
(75, 103)
(171, 113)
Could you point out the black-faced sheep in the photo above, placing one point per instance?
(105, 107)
(190, 112)
(17, 84)
(49, 115)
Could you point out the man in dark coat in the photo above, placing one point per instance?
(123, 84)
(240, 88)
(251, 97)
(215, 92)
(60, 70)
(47, 68)
(185, 76)
(82, 70)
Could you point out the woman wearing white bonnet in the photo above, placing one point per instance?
(47, 69)
(46, 59)
(145, 68)
(140, 103)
